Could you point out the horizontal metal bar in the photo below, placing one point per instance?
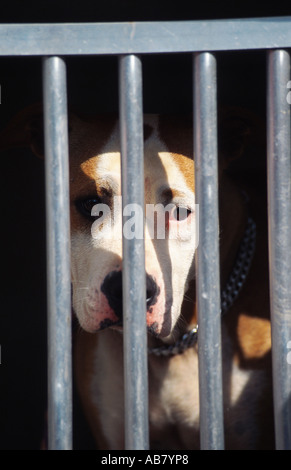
(144, 37)
(279, 195)
(58, 255)
(133, 275)
(207, 260)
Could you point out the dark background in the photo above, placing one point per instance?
(92, 86)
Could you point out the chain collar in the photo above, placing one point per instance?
(228, 295)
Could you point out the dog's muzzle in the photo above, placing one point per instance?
(112, 289)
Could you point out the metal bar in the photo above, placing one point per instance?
(134, 283)
(208, 275)
(144, 37)
(58, 254)
(279, 200)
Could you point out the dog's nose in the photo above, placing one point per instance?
(152, 291)
(112, 289)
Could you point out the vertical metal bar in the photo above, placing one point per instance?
(279, 201)
(208, 273)
(58, 254)
(134, 284)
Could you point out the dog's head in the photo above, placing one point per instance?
(96, 219)
(170, 214)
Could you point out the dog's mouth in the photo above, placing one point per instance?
(152, 329)
(107, 323)
(102, 307)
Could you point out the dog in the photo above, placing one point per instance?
(172, 316)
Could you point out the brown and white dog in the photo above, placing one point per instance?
(96, 282)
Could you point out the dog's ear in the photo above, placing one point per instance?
(25, 130)
(238, 129)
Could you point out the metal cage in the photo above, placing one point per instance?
(130, 41)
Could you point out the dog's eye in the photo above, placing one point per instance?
(85, 207)
(181, 213)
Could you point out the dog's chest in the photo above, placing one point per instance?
(174, 400)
